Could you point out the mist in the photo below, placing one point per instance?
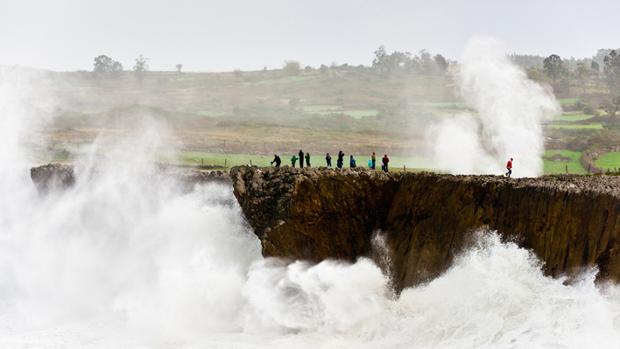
(126, 258)
(509, 108)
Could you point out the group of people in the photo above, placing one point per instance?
(352, 163)
(305, 158)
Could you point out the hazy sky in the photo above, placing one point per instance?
(245, 34)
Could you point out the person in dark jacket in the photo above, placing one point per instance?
(385, 161)
(293, 160)
(301, 158)
(373, 161)
(308, 159)
(352, 163)
(276, 160)
(328, 160)
(340, 161)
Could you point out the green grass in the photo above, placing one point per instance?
(211, 113)
(229, 160)
(609, 160)
(573, 164)
(568, 101)
(441, 105)
(335, 109)
(573, 117)
(590, 126)
(222, 160)
(361, 113)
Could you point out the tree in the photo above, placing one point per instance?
(141, 67)
(291, 68)
(179, 67)
(552, 66)
(613, 106)
(582, 73)
(106, 66)
(612, 72)
(594, 66)
(441, 63)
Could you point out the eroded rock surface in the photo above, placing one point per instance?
(569, 222)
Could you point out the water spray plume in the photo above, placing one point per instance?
(510, 110)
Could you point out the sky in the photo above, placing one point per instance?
(66, 35)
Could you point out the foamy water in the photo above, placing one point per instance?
(125, 259)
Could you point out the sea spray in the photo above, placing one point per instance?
(510, 110)
(127, 259)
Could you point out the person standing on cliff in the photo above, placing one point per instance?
(307, 159)
(301, 158)
(328, 160)
(373, 161)
(276, 160)
(509, 168)
(352, 162)
(293, 161)
(385, 161)
(340, 160)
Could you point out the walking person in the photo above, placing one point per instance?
(352, 163)
(373, 161)
(385, 162)
(276, 160)
(301, 158)
(509, 168)
(328, 160)
(340, 161)
(293, 160)
(308, 159)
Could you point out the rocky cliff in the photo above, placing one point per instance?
(569, 222)
(62, 176)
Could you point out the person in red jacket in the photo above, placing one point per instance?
(509, 168)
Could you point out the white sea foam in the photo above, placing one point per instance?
(126, 259)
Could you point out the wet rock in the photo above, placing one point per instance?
(569, 222)
(52, 176)
(62, 176)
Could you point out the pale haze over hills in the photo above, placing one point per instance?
(227, 35)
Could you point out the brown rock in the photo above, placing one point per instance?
(569, 222)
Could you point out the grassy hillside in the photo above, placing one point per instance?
(242, 116)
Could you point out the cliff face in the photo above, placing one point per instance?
(569, 222)
(62, 176)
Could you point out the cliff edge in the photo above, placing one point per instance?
(569, 222)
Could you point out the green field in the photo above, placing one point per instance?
(229, 160)
(568, 101)
(361, 113)
(608, 161)
(571, 162)
(573, 117)
(335, 109)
